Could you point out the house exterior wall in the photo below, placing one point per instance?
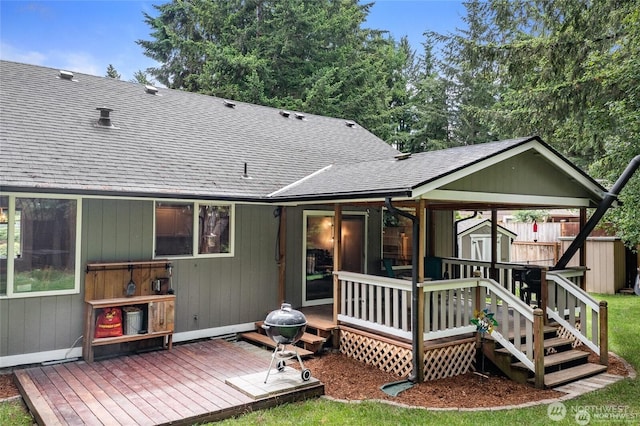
(217, 291)
(294, 243)
(443, 233)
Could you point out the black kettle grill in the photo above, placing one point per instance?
(285, 326)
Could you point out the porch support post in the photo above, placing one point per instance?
(604, 339)
(282, 238)
(337, 258)
(417, 374)
(583, 248)
(493, 271)
(538, 348)
(422, 227)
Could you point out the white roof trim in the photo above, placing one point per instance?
(291, 185)
(492, 197)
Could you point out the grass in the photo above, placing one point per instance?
(13, 413)
(624, 324)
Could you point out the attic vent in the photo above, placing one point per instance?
(66, 75)
(350, 123)
(229, 104)
(104, 120)
(245, 174)
(285, 114)
(150, 89)
(299, 116)
(402, 156)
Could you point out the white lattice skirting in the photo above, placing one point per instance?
(440, 361)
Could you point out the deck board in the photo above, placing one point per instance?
(182, 386)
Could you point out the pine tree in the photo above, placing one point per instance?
(112, 73)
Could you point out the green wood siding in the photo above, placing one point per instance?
(220, 291)
(524, 174)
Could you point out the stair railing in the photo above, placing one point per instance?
(511, 314)
(578, 313)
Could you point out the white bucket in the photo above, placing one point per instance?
(132, 320)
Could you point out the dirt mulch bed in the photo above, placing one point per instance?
(348, 379)
(8, 388)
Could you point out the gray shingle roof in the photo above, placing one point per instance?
(178, 144)
(391, 176)
(174, 144)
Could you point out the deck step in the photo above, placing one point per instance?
(311, 342)
(561, 377)
(554, 342)
(254, 336)
(559, 358)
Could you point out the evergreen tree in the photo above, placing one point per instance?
(141, 77)
(293, 54)
(112, 73)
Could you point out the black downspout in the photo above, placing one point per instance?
(608, 200)
(414, 284)
(455, 233)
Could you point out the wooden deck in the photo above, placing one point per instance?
(183, 386)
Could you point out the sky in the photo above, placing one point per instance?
(86, 36)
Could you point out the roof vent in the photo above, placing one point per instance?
(150, 89)
(229, 103)
(402, 156)
(245, 174)
(299, 116)
(350, 123)
(66, 75)
(285, 114)
(104, 120)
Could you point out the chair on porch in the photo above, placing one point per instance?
(388, 266)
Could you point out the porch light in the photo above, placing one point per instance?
(3, 216)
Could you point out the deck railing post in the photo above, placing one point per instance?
(538, 347)
(544, 295)
(420, 333)
(604, 340)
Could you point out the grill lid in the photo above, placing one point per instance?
(285, 316)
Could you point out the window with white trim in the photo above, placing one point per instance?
(187, 229)
(39, 245)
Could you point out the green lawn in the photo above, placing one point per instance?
(624, 396)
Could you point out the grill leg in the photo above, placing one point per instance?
(273, 357)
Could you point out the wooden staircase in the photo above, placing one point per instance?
(318, 332)
(562, 363)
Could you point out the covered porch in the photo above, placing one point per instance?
(446, 292)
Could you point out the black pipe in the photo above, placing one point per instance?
(607, 201)
(455, 232)
(414, 286)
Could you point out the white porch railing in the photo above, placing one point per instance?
(377, 303)
(467, 268)
(383, 305)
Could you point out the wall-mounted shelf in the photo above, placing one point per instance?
(106, 286)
